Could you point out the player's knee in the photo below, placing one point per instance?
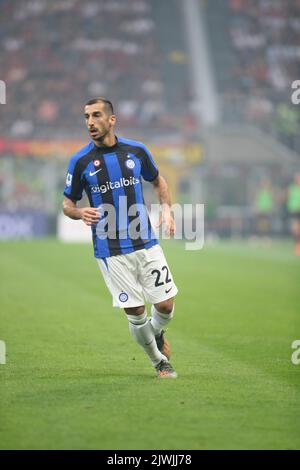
(167, 306)
(135, 310)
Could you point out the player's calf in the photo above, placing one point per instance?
(162, 314)
(143, 334)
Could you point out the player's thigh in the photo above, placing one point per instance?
(156, 277)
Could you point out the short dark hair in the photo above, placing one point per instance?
(107, 104)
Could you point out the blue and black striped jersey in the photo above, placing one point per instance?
(106, 174)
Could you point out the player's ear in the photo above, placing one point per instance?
(113, 119)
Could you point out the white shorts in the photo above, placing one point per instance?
(138, 276)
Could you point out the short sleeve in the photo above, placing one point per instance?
(74, 187)
(149, 169)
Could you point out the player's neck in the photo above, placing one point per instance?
(108, 141)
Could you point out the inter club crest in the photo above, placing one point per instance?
(130, 164)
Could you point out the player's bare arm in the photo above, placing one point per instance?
(89, 215)
(163, 195)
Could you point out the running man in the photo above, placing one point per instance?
(133, 265)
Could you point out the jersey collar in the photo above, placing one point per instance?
(105, 148)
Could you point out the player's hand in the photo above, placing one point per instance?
(90, 215)
(167, 219)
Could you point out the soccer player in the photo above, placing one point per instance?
(109, 169)
(293, 206)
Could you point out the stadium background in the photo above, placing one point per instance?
(206, 85)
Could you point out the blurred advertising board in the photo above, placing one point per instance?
(23, 224)
(174, 152)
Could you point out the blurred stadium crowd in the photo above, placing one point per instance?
(256, 49)
(57, 55)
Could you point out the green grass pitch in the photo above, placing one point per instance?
(75, 379)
